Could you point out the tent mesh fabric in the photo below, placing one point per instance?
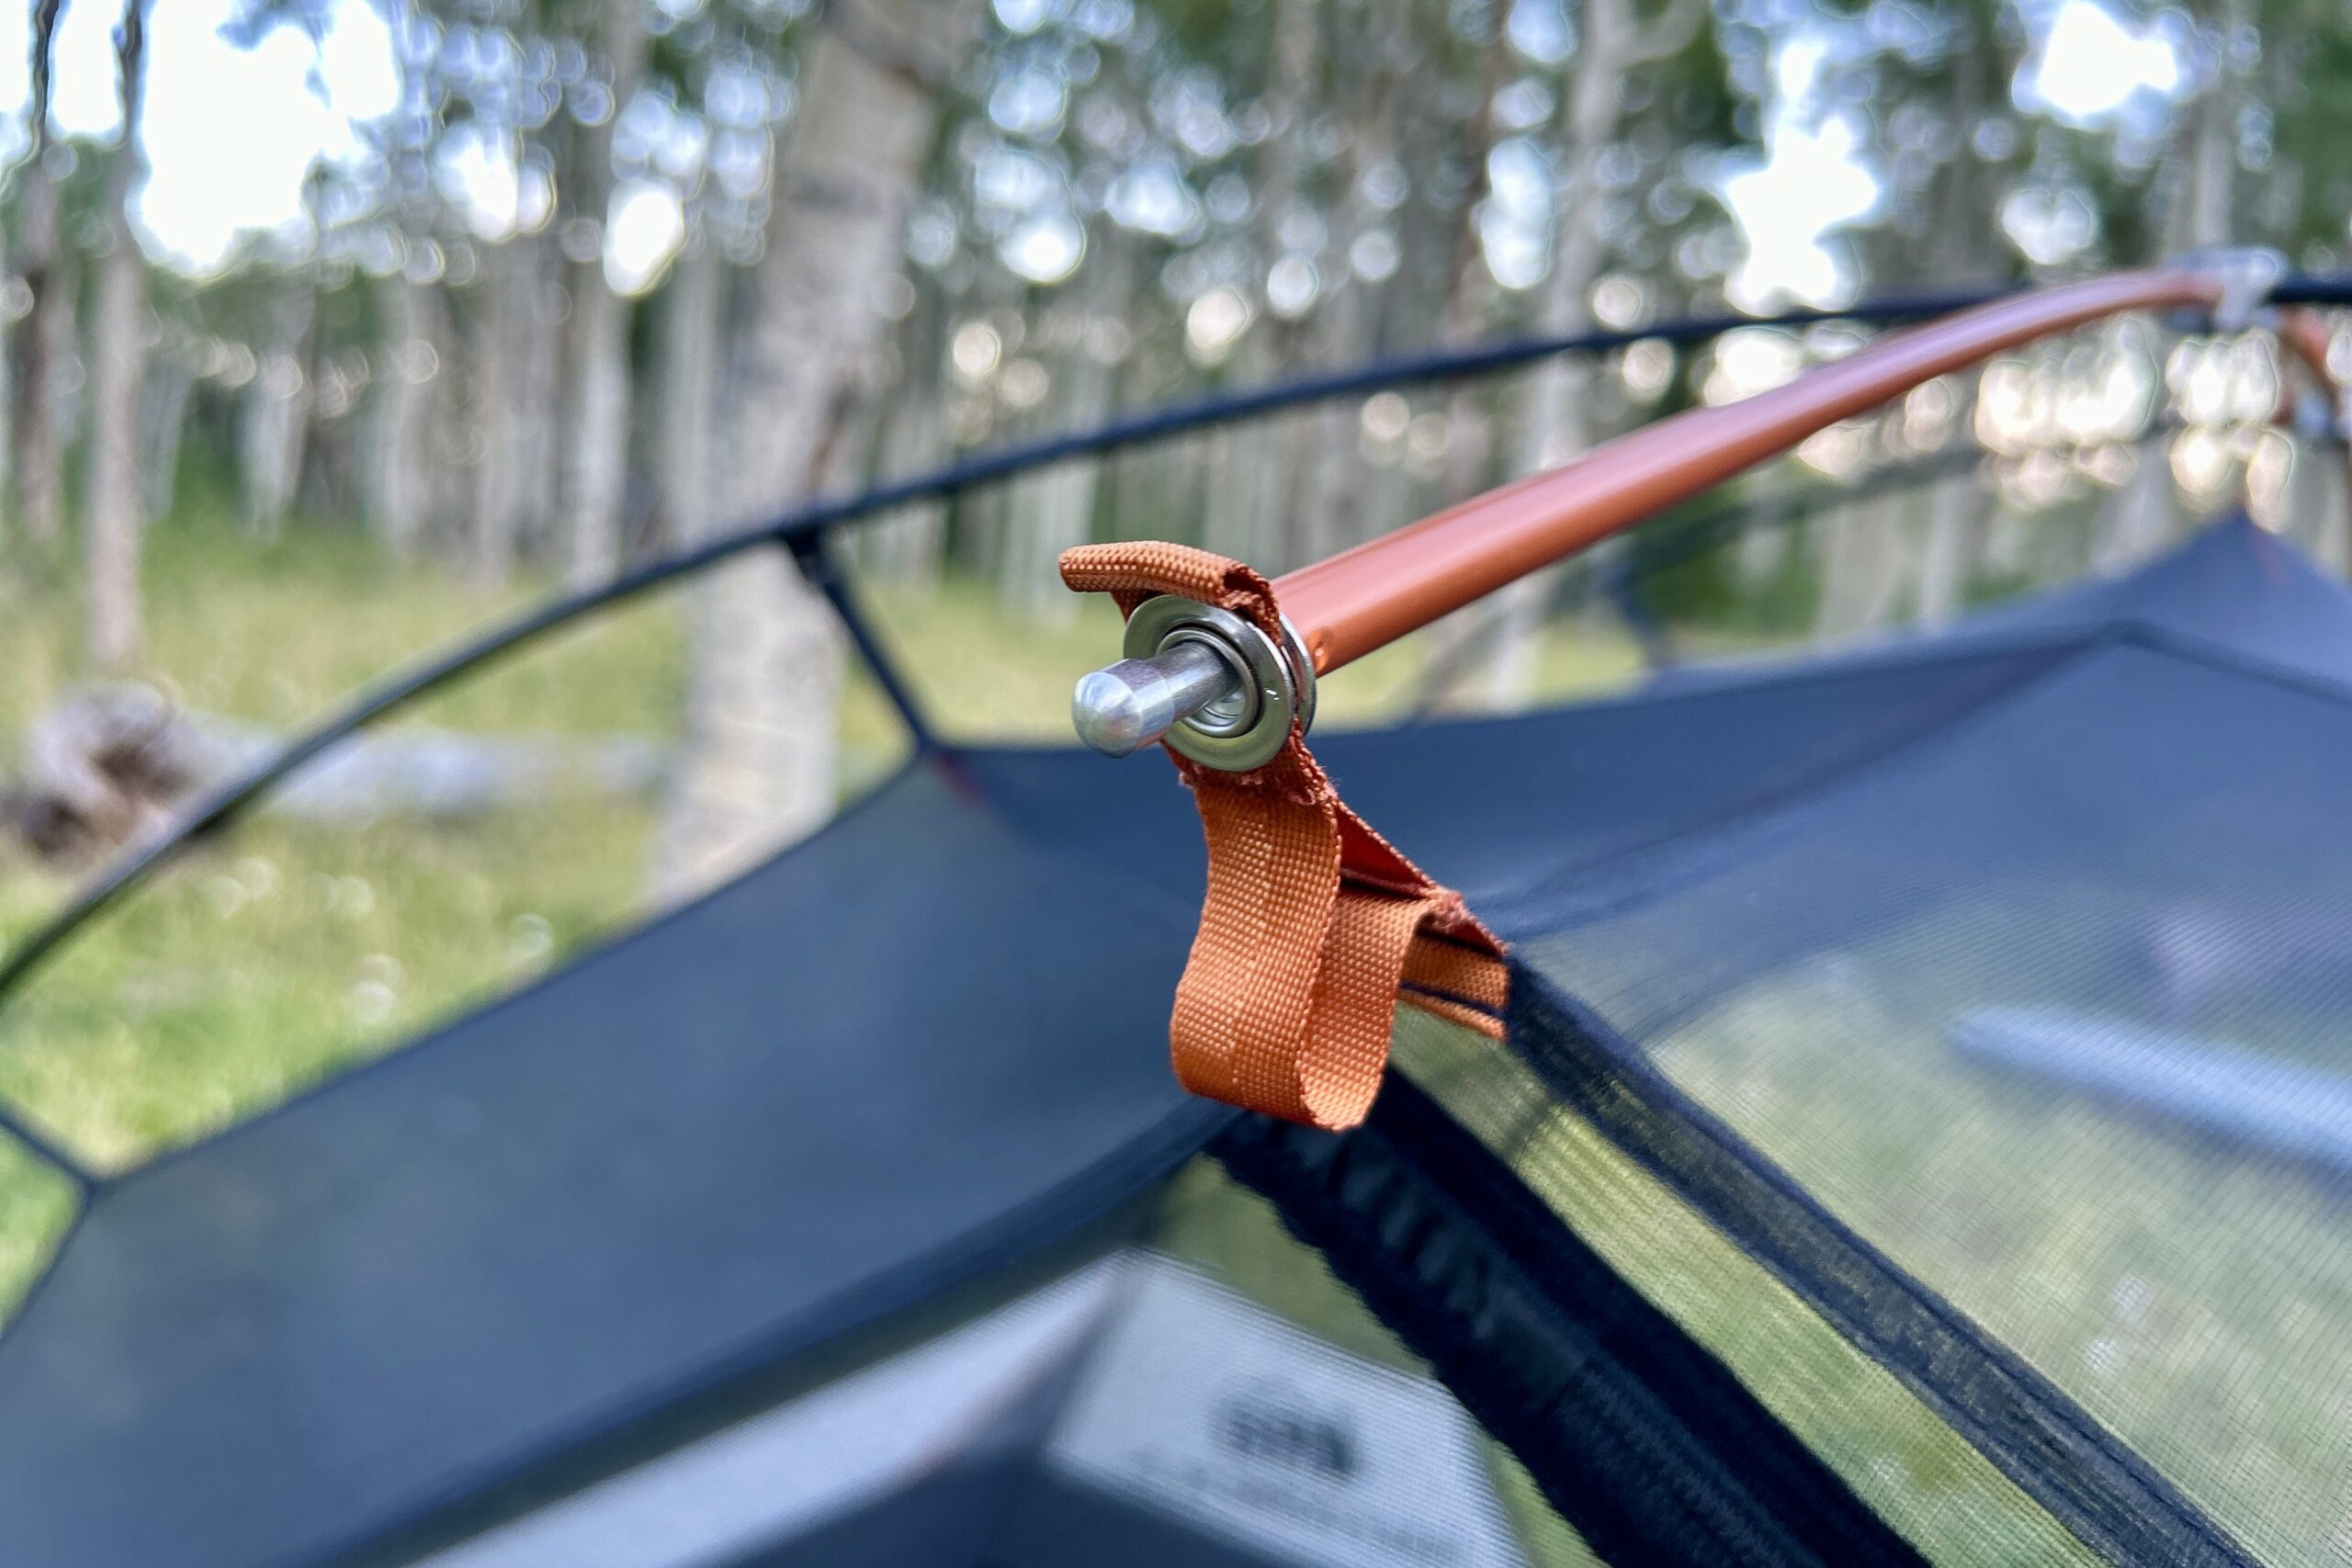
(2048, 1007)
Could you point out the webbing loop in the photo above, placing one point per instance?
(1314, 927)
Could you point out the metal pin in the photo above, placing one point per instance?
(1122, 709)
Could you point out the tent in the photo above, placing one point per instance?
(595, 1260)
(1913, 1133)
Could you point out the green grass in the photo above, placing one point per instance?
(279, 632)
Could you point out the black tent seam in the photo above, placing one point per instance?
(1776, 1465)
(47, 1150)
(16, 1310)
(1637, 1436)
(2112, 1499)
(2152, 638)
(815, 560)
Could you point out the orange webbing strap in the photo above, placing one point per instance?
(1314, 927)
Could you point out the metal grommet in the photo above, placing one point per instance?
(1274, 682)
(1234, 713)
(1301, 669)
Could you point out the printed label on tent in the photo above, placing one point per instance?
(1202, 1406)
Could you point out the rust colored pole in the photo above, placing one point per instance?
(1364, 598)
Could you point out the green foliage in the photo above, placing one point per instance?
(1709, 591)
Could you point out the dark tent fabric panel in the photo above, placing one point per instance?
(2082, 790)
(905, 1052)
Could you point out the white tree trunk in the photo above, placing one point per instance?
(401, 482)
(37, 463)
(496, 521)
(1965, 183)
(2137, 519)
(1054, 510)
(691, 372)
(535, 348)
(1254, 487)
(596, 455)
(275, 418)
(1557, 425)
(1955, 517)
(163, 422)
(906, 546)
(117, 499)
(759, 768)
(1864, 567)
(2318, 505)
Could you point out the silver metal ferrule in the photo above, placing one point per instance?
(1124, 708)
(1212, 684)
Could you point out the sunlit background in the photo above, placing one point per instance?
(240, 116)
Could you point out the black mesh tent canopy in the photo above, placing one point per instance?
(1920, 1135)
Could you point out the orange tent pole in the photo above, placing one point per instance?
(1364, 598)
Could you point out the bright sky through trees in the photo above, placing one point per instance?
(232, 133)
